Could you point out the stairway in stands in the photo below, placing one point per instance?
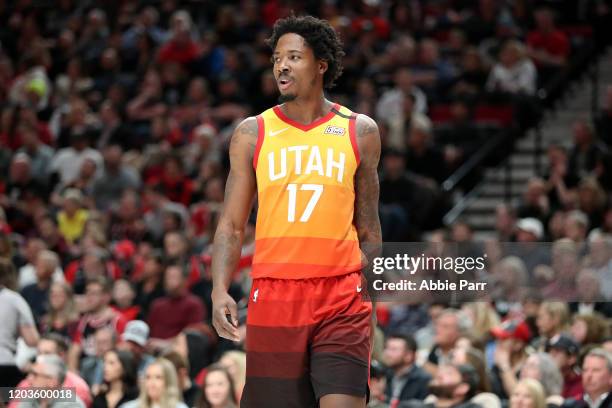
(556, 127)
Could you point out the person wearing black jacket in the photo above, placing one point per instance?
(407, 381)
(596, 380)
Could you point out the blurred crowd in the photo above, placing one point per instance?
(114, 127)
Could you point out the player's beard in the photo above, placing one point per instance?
(282, 98)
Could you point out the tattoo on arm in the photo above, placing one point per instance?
(239, 192)
(367, 187)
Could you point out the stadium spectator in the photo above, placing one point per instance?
(534, 202)
(114, 179)
(588, 328)
(235, 364)
(551, 321)
(528, 393)
(49, 371)
(505, 223)
(454, 386)
(514, 73)
(62, 317)
(120, 380)
(586, 149)
(98, 315)
(509, 356)
(564, 268)
(57, 345)
(150, 281)
(92, 367)
(217, 389)
(407, 380)
(67, 162)
(475, 358)
(23, 195)
(548, 46)
(18, 321)
(123, 300)
(390, 104)
(589, 298)
(542, 367)
(72, 218)
(576, 226)
(159, 387)
(180, 47)
(599, 257)
(37, 294)
(564, 350)
(178, 309)
(449, 326)
(190, 391)
(596, 380)
(27, 273)
(134, 339)
(39, 153)
(422, 157)
(473, 74)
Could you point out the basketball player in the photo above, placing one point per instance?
(313, 164)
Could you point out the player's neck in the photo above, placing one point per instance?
(307, 110)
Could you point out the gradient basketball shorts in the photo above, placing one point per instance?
(306, 339)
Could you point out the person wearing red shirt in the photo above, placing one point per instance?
(180, 48)
(548, 46)
(179, 309)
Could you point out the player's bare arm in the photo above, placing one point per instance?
(367, 187)
(239, 193)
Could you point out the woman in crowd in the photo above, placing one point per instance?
(528, 393)
(553, 318)
(235, 364)
(588, 329)
(120, 380)
(62, 317)
(159, 388)
(542, 367)
(218, 389)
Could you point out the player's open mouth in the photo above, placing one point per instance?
(284, 83)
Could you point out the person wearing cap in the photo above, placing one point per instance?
(134, 339)
(453, 386)
(564, 350)
(512, 338)
(529, 230)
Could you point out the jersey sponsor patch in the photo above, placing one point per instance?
(334, 130)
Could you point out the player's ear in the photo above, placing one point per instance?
(322, 66)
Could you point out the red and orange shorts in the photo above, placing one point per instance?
(306, 339)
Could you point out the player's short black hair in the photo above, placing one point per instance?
(320, 37)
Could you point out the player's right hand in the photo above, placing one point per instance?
(225, 315)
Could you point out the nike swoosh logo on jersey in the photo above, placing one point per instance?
(271, 133)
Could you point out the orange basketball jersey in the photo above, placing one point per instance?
(306, 195)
